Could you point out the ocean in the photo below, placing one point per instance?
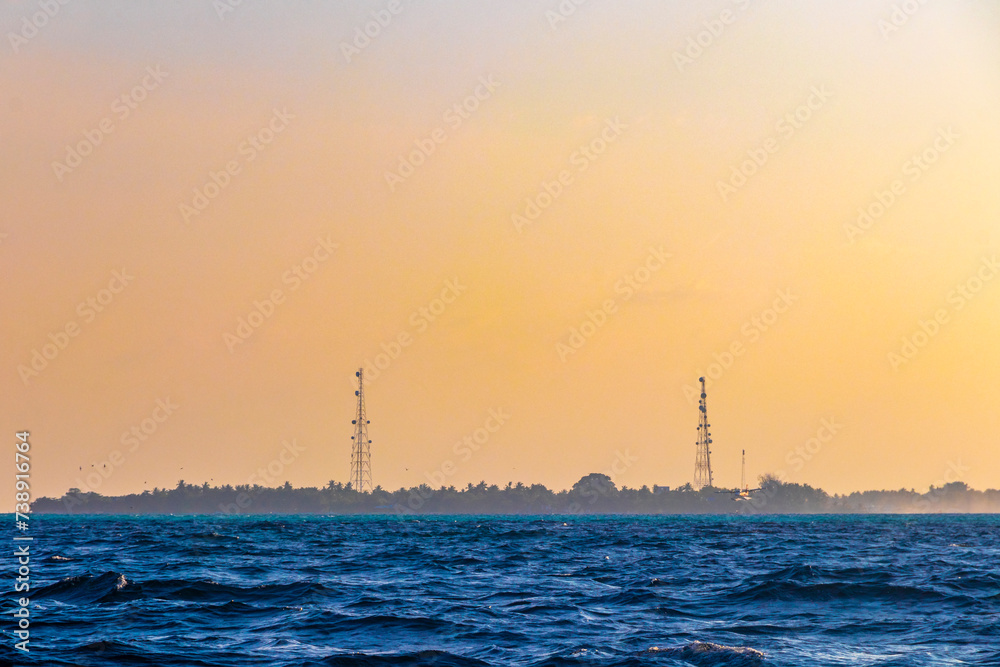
(891, 591)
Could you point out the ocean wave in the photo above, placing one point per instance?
(327, 622)
(629, 597)
(790, 591)
(596, 592)
(414, 659)
(213, 536)
(102, 653)
(116, 587)
(707, 654)
(85, 588)
(815, 573)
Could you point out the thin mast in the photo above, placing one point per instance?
(361, 446)
(703, 455)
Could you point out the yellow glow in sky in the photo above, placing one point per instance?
(213, 218)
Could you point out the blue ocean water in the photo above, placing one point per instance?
(891, 591)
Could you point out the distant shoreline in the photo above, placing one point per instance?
(445, 515)
(594, 494)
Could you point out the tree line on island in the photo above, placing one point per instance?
(594, 494)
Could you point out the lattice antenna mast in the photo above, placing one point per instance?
(361, 446)
(743, 473)
(703, 454)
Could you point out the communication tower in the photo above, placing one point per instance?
(361, 446)
(703, 454)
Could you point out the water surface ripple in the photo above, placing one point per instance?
(886, 591)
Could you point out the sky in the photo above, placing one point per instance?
(535, 224)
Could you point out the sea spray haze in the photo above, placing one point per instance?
(486, 590)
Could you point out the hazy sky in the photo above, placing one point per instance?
(566, 217)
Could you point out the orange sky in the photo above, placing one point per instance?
(582, 208)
